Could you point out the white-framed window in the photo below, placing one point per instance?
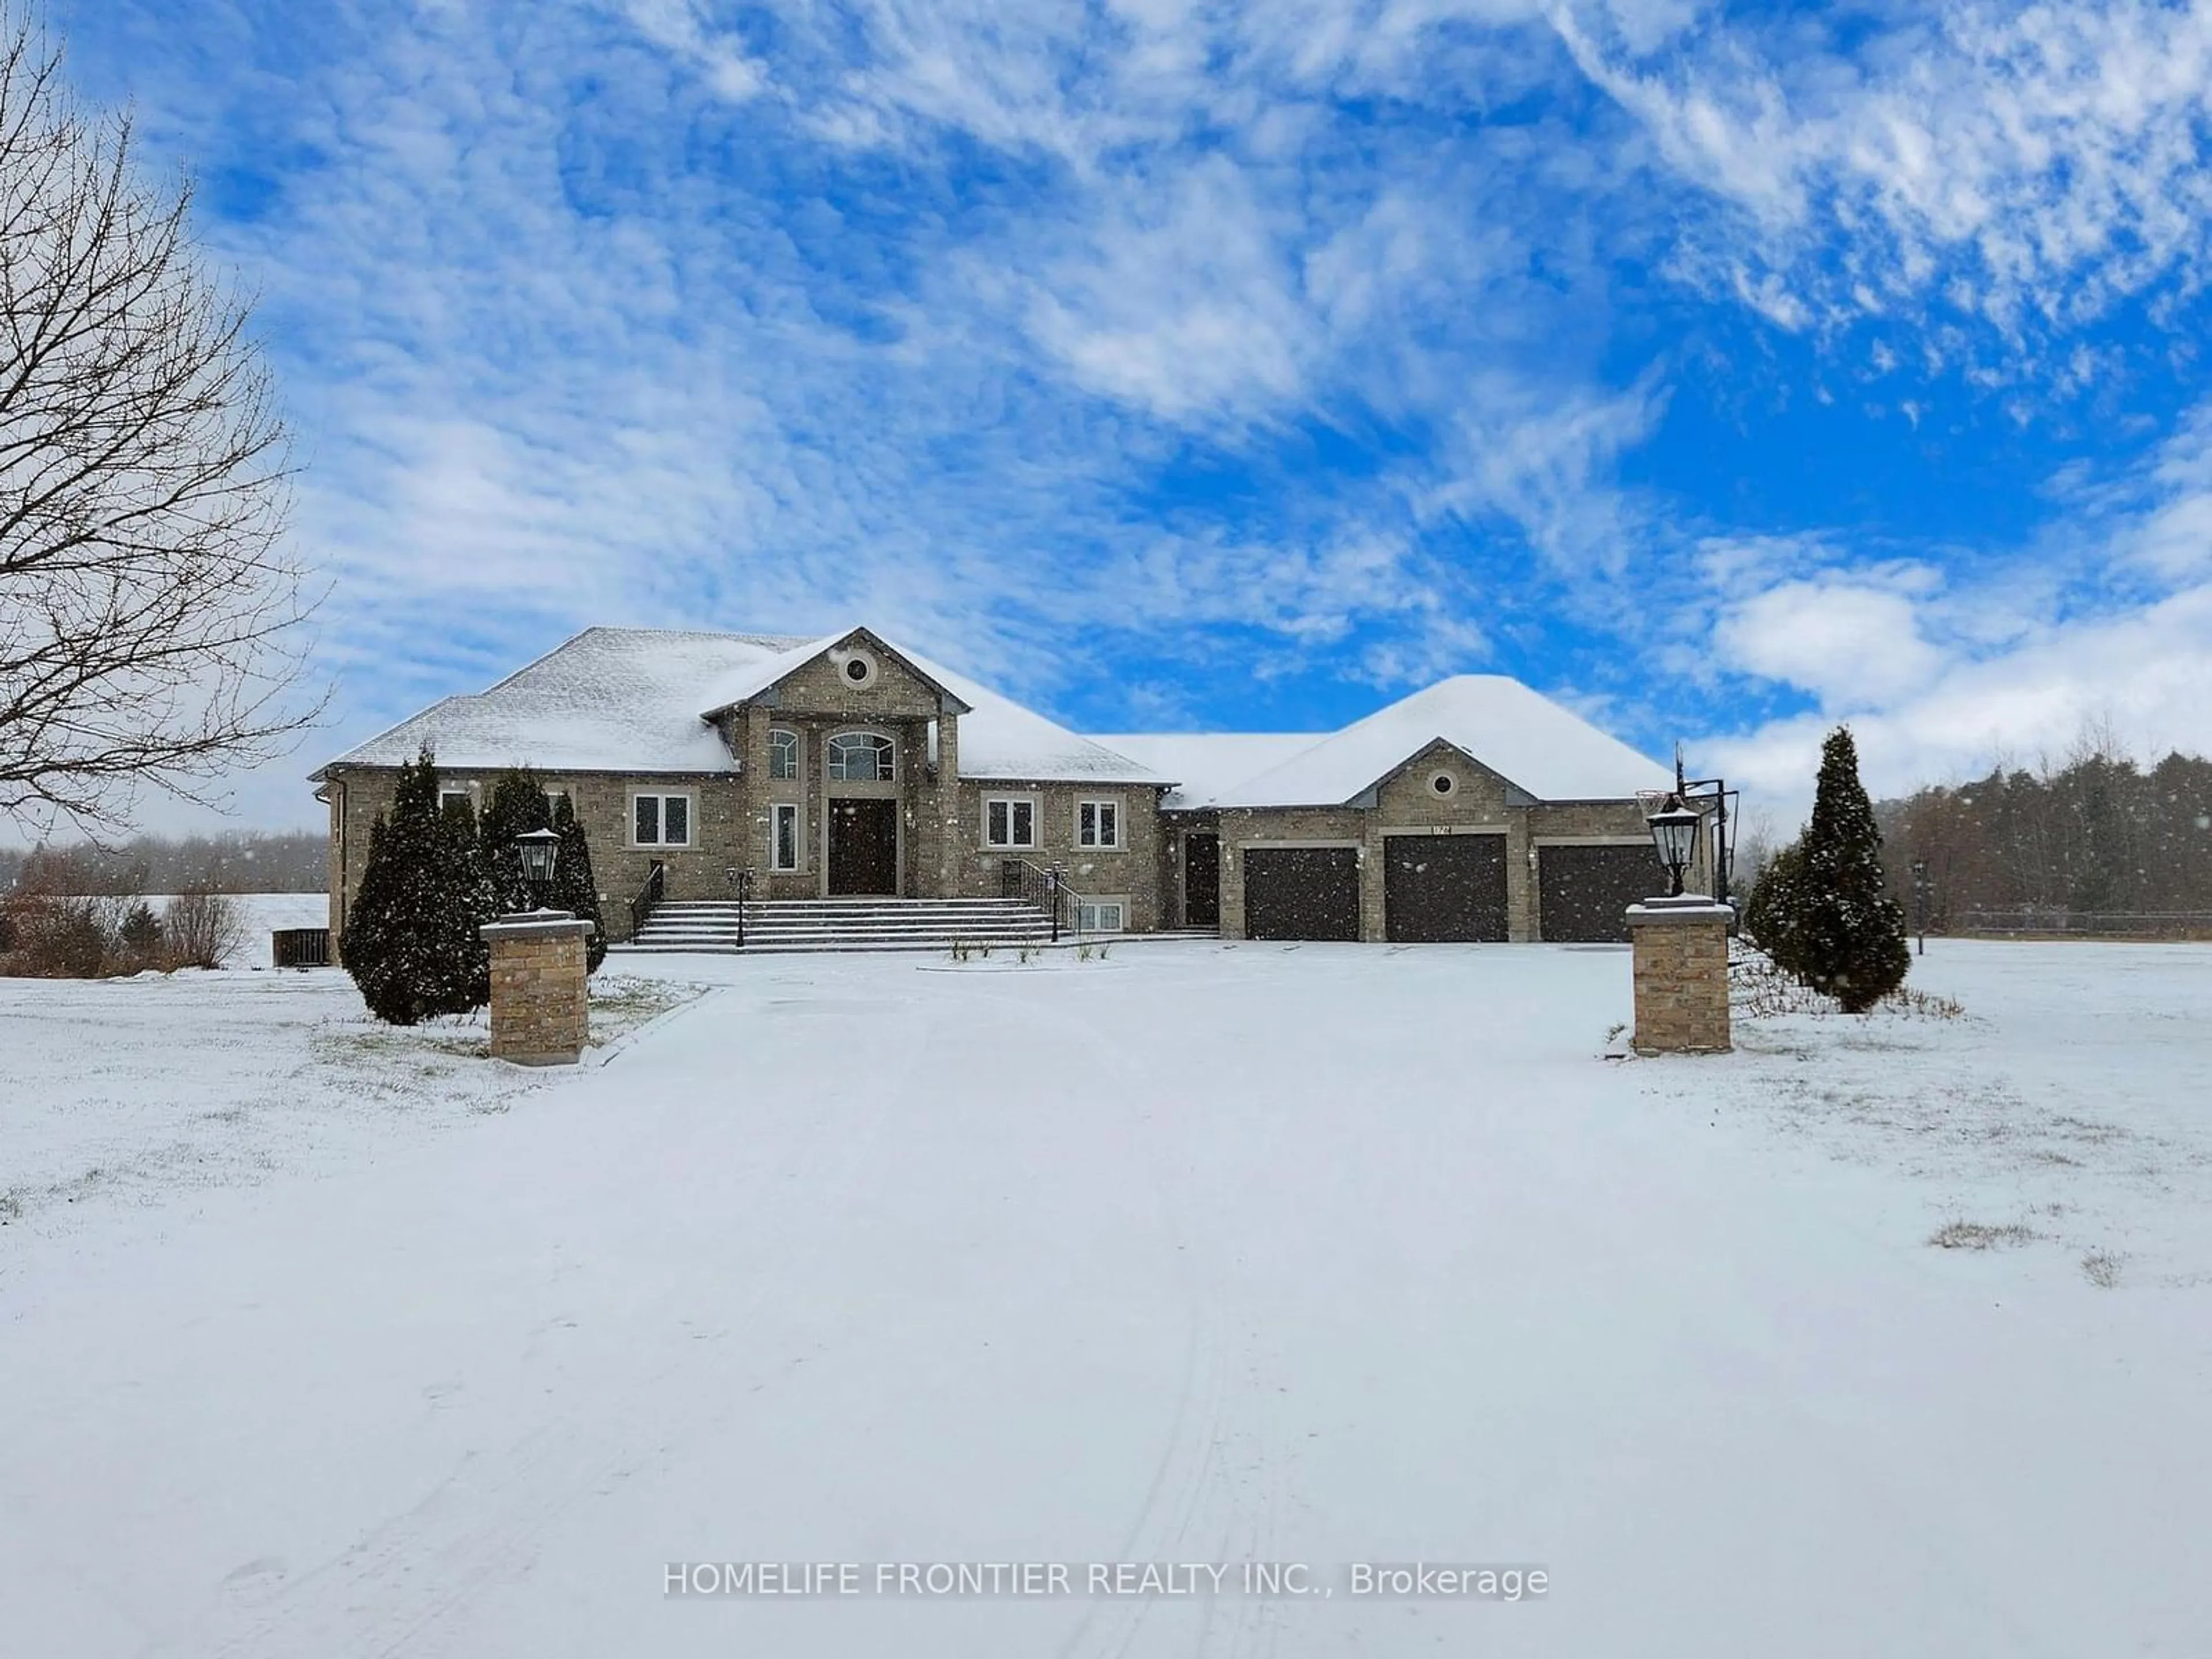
(862, 758)
(1100, 916)
(448, 798)
(783, 840)
(1098, 824)
(553, 799)
(783, 754)
(661, 820)
(1010, 821)
(856, 667)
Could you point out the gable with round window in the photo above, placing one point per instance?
(856, 668)
(862, 758)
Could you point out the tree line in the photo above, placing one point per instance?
(2096, 835)
(232, 861)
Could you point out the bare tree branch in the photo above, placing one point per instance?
(151, 610)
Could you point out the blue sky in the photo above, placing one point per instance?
(1722, 370)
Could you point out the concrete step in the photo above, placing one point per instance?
(847, 907)
(939, 946)
(843, 924)
(916, 926)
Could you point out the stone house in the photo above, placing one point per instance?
(849, 766)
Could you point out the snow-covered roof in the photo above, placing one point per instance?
(1206, 765)
(609, 700)
(1001, 740)
(636, 700)
(1524, 737)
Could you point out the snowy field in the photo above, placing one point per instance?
(144, 1092)
(263, 912)
(1204, 1254)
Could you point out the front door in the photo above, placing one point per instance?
(863, 847)
(1201, 881)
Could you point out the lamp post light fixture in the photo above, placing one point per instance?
(1674, 833)
(538, 849)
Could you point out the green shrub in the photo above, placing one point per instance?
(411, 942)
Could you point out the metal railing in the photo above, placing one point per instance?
(741, 883)
(656, 884)
(1046, 889)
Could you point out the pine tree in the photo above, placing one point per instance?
(460, 852)
(516, 805)
(1771, 915)
(410, 940)
(574, 888)
(1845, 931)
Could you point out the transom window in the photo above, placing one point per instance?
(783, 836)
(661, 820)
(861, 757)
(1098, 824)
(783, 755)
(1010, 822)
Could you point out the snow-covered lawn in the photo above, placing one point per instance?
(1205, 1254)
(145, 1092)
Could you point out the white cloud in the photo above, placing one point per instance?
(2032, 165)
(1852, 646)
(2148, 673)
(1942, 680)
(683, 26)
(1182, 303)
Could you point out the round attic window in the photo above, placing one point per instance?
(1444, 783)
(859, 669)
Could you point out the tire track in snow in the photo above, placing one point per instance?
(1216, 1492)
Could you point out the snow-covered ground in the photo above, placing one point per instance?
(1207, 1254)
(143, 1092)
(261, 913)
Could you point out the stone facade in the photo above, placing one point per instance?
(1407, 802)
(942, 846)
(540, 1003)
(604, 803)
(1681, 975)
(1128, 873)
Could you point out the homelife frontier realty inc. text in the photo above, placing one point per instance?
(1107, 1578)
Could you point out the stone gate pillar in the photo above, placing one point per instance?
(540, 1006)
(1681, 975)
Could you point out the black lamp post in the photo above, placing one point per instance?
(538, 849)
(1674, 833)
(1920, 901)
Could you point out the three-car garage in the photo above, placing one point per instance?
(1444, 888)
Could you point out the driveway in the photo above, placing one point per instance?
(1198, 1255)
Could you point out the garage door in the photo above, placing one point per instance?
(1439, 888)
(1302, 892)
(1584, 893)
